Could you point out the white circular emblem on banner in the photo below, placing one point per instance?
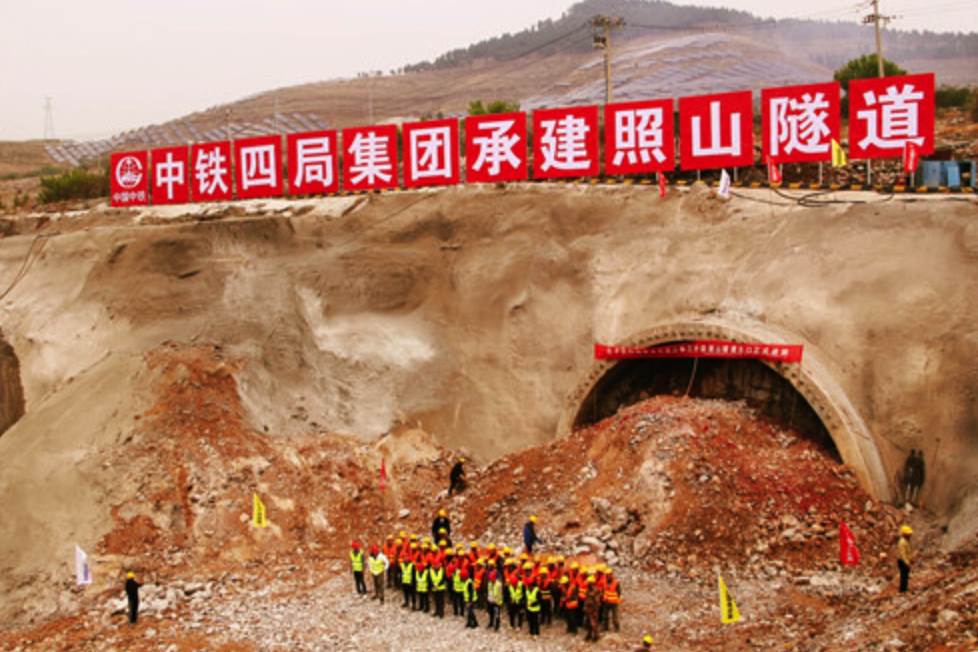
(129, 172)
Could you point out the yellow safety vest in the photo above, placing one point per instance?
(423, 581)
(407, 572)
(356, 560)
(533, 599)
(437, 579)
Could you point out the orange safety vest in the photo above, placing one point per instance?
(611, 593)
(477, 577)
(582, 587)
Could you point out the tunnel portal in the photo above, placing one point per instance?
(11, 389)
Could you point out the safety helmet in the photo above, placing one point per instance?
(414, 537)
(906, 529)
(524, 556)
(449, 551)
(510, 561)
(492, 546)
(544, 571)
(590, 579)
(130, 575)
(560, 559)
(390, 536)
(647, 640)
(584, 569)
(397, 542)
(564, 579)
(507, 550)
(402, 534)
(533, 519)
(462, 460)
(442, 543)
(609, 572)
(356, 545)
(492, 562)
(528, 566)
(441, 512)
(574, 565)
(414, 544)
(441, 530)
(427, 539)
(474, 544)
(374, 549)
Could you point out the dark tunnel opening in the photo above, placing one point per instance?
(763, 389)
(11, 390)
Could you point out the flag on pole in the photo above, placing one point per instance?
(383, 474)
(662, 185)
(838, 155)
(848, 553)
(258, 513)
(911, 157)
(83, 572)
(728, 608)
(724, 184)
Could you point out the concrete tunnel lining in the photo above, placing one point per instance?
(810, 378)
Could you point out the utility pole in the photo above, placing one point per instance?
(48, 119)
(604, 41)
(879, 20)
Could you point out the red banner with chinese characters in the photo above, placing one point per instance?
(313, 163)
(171, 183)
(129, 178)
(565, 142)
(704, 349)
(258, 167)
(495, 148)
(885, 114)
(431, 153)
(799, 123)
(639, 137)
(717, 131)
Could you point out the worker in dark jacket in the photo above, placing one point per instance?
(530, 535)
(441, 528)
(132, 594)
(457, 477)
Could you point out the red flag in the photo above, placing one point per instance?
(911, 157)
(848, 553)
(383, 473)
(662, 185)
(773, 172)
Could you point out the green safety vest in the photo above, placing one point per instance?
(459, 583)
(407, 572)
(496, 592)
(437, 579)
(377, 565)
(469, 589)
(356, 560)
(533, 599)
(423, 581)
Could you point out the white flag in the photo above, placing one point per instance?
(724, 184)
(83, 573)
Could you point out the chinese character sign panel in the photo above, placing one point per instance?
(431, 153)
(565, 142)
(129, 180)
(799, 123)
(639, 137)
(211, 171)
(495, 148)
(171, 184)
(313, 160)
(887, 113)
(370, 158)
(258, 166)
(716, 131)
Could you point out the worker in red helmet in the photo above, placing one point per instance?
(356, 565)
(378, 563)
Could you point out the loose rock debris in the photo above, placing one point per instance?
(672, 493)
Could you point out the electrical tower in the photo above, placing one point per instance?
(603, 40)
(879, 20)
(48, 119)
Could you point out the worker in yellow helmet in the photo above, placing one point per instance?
(441, 527)
(457, 477)
(132, 596)
(905, 557)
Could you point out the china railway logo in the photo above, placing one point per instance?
(129, 172)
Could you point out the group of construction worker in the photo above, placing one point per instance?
(431, 573)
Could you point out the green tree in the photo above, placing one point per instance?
(864, 67)
(476, 107)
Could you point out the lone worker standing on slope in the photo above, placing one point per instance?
(905, 556)
(457, 477)
(530, 535)
(356, 565)
(132, 594)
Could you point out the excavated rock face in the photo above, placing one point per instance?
(11, 391)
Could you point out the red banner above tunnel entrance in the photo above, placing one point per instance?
(704, 349)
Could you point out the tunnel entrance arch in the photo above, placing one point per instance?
(11, 390)
(803, 394)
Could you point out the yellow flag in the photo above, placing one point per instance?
(838, 155)
(728, 608)
(258, 513)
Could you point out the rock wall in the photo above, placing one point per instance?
(11, 392)
(471, 312)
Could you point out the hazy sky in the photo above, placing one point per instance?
(111, 65)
